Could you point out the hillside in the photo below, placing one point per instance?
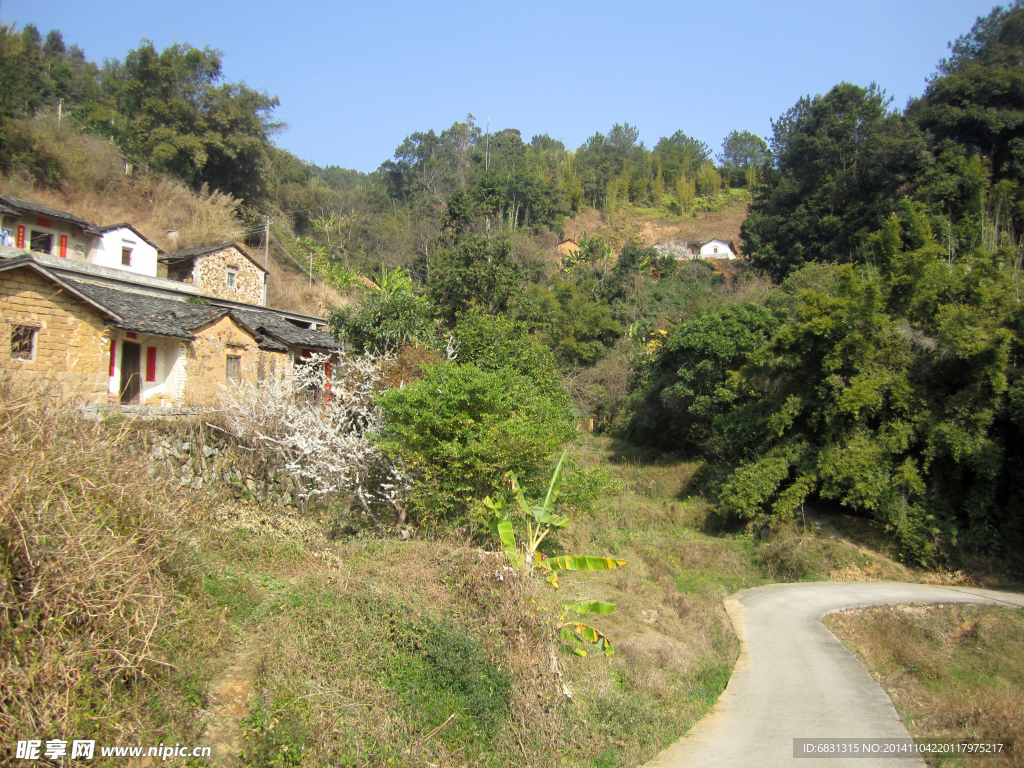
(653, 226)
(90, 178)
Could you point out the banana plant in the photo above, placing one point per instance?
(523, 554)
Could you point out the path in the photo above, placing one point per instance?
(229, 702)
(794, 679)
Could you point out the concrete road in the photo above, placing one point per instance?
(795, 680)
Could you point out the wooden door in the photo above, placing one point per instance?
(131, 379)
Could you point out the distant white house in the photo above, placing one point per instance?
(709, 249)
(717, 249)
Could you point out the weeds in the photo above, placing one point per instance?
(91, 624)
(953, 672)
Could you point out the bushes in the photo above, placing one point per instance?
(90, 558)
(691, 381)
(460, 428)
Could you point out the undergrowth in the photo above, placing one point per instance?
(953, 672)
(96, 639)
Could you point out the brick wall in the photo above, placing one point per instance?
(210, 275)
(71, 342)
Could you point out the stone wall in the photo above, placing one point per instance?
(207, 359)
(210, 275)
(214, 462)
(72, 346)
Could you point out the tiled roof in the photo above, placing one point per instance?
(269, 323)
(149, 314)
(172, 317)
(192, 253)
(42, 210)
(131, 310)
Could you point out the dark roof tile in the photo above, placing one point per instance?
(193, 253)
(24, 205)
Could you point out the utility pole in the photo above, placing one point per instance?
(487, 150)
(266, 244)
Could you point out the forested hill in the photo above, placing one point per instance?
(173, 113)
(869, 360)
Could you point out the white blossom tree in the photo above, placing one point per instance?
(322, 421)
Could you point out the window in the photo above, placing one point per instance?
(41, 242)
(231, 278)
(126, 257)
(150, 363)
(234, 368)
(23, 342)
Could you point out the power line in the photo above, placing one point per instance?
(245, 231)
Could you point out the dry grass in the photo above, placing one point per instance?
(819, 553)
(92, 184)
(369, 645)
(953, 672)
(91, 622)
(291, 290)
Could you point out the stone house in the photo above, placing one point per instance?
(224, 271)
(109, 332)
(108, 340)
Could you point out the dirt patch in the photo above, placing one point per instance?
(229, 694)
(724, 224)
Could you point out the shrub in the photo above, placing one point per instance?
(92, 625)
(383, 322)
(494, 342)
(460, 429)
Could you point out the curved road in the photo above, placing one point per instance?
(794, 679)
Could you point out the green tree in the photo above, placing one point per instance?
(469, 271)
(177, 115)
(742, 154)
(693, 379)
(680, 155)
(842, 162)
(567, 317)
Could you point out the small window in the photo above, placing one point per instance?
(41, 242)
(234, 368)
(232, 275)
(23, 342)
(126, 257)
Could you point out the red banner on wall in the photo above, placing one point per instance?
(63, 246)
(20, 240)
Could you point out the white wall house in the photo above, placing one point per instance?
(121, 246)
(146, 369)
(717, 249)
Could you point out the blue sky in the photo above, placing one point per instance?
(355, 78)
